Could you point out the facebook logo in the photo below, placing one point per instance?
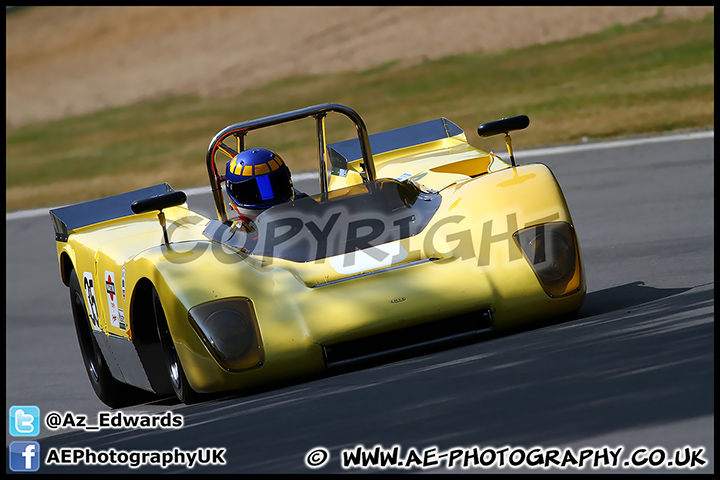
(24, 421)
(24, 456)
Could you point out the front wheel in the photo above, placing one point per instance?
(178, 380)
(110, 391)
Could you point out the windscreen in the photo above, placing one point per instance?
(341, 221)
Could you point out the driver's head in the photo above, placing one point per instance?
(258, 178)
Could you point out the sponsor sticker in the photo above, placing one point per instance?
(112, 299)
(122, 283)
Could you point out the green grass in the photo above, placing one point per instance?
(642, 79)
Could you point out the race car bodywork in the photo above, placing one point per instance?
(415, 238)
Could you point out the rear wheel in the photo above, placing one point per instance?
(178, 380)
(109, 390)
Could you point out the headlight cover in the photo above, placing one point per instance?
(551, 250)
(229, 329)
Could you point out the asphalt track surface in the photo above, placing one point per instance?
(633, 368)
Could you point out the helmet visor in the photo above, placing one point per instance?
(261, 191)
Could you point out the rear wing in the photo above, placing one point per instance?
(341, 153)
(70, 218)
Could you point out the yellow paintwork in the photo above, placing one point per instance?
(476, 265)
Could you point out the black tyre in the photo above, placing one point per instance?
(178, 380)
(110, 391)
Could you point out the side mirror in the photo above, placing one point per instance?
(159, 202)
(504, 125)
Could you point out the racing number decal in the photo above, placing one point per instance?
(112, 298)
(90, 296)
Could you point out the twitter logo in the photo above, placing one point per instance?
(24, 421)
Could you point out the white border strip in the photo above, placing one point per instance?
(617, 143)
(538, 152)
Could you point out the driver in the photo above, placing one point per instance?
(257, 179)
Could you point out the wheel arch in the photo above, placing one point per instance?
(145, 336)
(66, 267)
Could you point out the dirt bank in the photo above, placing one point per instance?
(72, 60)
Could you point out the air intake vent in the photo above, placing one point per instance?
(415, 339)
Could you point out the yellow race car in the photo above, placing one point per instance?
(416, 238)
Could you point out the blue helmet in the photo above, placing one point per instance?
(258, 178)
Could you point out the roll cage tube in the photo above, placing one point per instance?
(239, 130)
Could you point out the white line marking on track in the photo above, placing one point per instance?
(37, 212)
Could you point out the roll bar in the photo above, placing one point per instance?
(239, 130)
